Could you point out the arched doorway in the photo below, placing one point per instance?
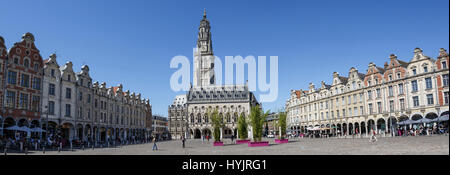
(344, 128)
(206, 132)
(357, 129)
(8, 122)
(102, 134)
(350, 128)
(381, 126)
(80, 132)
(67, 131)
(370, 126)
(197, 134)
(363, 128)
(339, 129)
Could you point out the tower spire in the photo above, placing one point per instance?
(204, 12)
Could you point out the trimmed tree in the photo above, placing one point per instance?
(257, 118)
(242, 127)
(282, 123)
(217, 123)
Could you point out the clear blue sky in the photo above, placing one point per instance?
(132, 42)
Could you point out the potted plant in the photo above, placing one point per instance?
(257, 118)
(282, 128)
(242, 130)
(217, 124)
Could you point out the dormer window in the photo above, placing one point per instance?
(68, 77)
(16, 60)
(369, 82)
(444, 65)
(52, 72)
(26, 63)
(425, 69)
(414, 71)
(390, 77)
(398, 76)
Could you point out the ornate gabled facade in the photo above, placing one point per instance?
(204, 96)
(69, 105)
(376, 100)
(22, 91)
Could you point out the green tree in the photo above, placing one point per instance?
(217, 123)
(242, 127)
(257, 118)
(282, 123)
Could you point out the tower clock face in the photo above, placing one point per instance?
(204, 48)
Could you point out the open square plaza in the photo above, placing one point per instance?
(411, 145)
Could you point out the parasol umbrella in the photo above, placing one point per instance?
(24, 128)
(37, 130)
(424, 120)
(406, 122)
(441, 118)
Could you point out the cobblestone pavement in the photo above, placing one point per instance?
(438, 145)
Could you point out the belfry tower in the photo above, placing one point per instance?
(203, 56)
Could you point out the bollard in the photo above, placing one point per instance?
(83, 147)
(43, 150)
(26, 150)
(6, 151)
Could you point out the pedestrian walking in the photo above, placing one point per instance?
(373, 138)
(154, 144)
(183, 140)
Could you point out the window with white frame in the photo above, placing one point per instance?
(430, 100)
(416, 101)
(445, 80)
(428, 83)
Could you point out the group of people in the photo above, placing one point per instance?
(422, 130)
(21, 143)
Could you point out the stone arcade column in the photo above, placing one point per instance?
(367, 128)
(359, 129)
(347, 133)
(221, 135)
